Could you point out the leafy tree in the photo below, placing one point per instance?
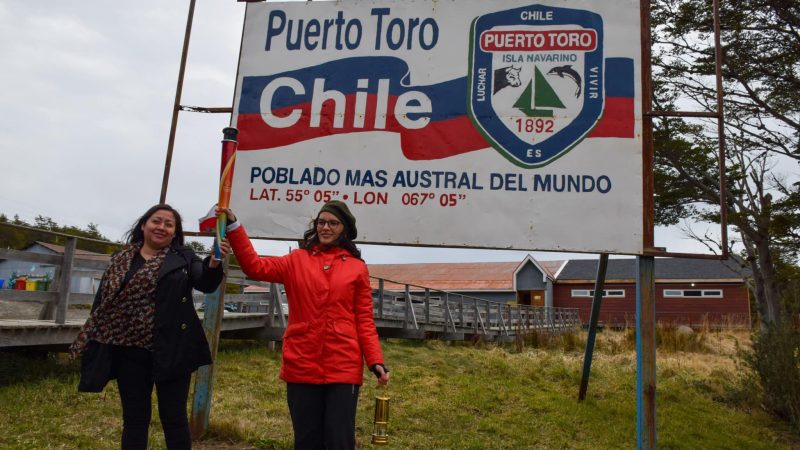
(19, 238)
(760, 40)
(44, 223)
(198, 247)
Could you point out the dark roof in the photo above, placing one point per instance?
(83, 254)
(666, 269)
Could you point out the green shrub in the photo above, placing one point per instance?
(775, 358)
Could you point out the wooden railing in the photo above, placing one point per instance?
(58, 296)
(445, 312)
(412, 308)
(455, 312)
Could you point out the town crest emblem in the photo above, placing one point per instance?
(536, 80)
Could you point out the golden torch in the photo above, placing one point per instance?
(380, 429)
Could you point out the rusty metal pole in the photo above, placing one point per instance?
(723, 202)
(597, 299)
(645, 265)
(648, 185)
(177, 105)
(645, 353)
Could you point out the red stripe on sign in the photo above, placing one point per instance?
(438, 139)
(442, 139)
(617, 120)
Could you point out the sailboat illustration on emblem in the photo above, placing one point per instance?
(538, 99)
(528, 113)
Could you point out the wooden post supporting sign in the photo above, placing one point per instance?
(645, 353)
(597, 299)
(213, 308)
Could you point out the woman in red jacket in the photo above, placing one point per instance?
(331, 330)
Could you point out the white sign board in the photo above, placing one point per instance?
(501, 124)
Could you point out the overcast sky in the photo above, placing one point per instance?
(86, 93)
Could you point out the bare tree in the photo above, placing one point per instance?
(761, 73)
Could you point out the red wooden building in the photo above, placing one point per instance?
(691, 292)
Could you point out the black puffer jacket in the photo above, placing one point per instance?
(179, 343)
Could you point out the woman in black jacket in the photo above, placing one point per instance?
(143, 329)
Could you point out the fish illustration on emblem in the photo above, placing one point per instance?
(545, 68)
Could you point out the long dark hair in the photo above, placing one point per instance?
(135, 235)
(311, 239)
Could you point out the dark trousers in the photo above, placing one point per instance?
(134, 370)
(323, 415)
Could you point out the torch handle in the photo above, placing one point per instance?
(222, 224)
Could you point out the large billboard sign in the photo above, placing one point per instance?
(502, 124)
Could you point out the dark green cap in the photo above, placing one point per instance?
(342, 212)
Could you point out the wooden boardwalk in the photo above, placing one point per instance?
(446, 316)
(36, 333)
(463, 319)
(425, 314)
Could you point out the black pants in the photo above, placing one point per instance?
(134, 369)
(323, 415)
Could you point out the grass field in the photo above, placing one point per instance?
(460, 396)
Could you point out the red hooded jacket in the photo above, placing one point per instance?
(330, 311)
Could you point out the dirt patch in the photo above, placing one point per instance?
(31, 310)
(19, 310)
(220, 445)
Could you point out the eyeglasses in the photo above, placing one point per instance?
(330, 223)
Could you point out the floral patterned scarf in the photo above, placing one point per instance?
(124, 316)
